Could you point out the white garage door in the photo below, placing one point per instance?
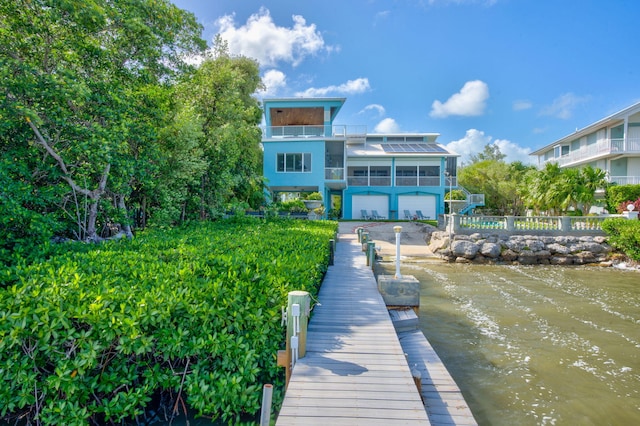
(425, 203)
(369, 203)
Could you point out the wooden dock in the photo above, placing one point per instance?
(355, 371)
(443, 400)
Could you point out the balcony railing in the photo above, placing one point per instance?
(315, 131)
(601, 148)
(625, 180)
(334, 173)
(417, 181)
(369, 180)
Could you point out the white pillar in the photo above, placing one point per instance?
(398, 231)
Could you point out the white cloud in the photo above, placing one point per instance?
(474, 142)
(273, 80)
(563, 106)
(373, 107)
(380, 16)
(387, 125)
(469, 101)
(262, 39)
(521, 105)
(513, 151)
(359, 85)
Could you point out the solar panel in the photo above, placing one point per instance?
(412, 147)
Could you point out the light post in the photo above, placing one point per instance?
(450, 218)
(398, 231)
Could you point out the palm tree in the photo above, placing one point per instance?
(592, 180)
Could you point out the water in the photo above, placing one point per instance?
(536, 345)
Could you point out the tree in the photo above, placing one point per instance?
(75, 75)
(490, 152)
(591, 180)
(498, 181)
(555, 190)
(220, 96)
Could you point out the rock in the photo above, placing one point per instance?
(466, 249)
(561, 260)
(584, 257)
(534, 245)
(491, 250)
(558, 248)
(509, 255)
(527, 257)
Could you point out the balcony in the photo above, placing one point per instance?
(602, 148)
(625, 180)
(316, 131)
(369, 180)
(334, 173)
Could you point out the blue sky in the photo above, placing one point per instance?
(515, 73)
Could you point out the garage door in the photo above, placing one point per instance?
(369, 203)
(425, 203)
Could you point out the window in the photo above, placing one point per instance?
(561, 150)
(406, 176)
(429, 175)
(294, 162)
(369, 176)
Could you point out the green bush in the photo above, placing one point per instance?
(293, 206)
(314, 196)
(617, 194)
(188, 316)
(25, 224)
(624, 235)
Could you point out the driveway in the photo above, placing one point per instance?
(412, 237)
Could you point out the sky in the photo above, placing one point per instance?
(518, 74)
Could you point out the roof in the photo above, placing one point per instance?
(387, 149)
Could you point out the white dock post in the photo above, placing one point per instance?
(398, 231)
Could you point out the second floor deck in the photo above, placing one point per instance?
(346, 132)
(565, 156)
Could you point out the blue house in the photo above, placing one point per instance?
(357, 173)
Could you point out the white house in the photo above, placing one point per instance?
(611, 144)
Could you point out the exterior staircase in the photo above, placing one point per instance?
(473, 201)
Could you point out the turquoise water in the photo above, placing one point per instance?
(536, 345)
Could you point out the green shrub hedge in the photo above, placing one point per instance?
(624, 235)
(190, 317)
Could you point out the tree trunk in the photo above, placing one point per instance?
(94, 196)
(126, 227)
(92, 234)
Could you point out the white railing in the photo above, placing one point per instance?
(598, 149)
(429, 181)
(625, 180)
(334, 173)
(345, 130)
(315, 131)
(369, 180)
(527, 224)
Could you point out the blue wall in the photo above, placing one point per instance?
(314, 178)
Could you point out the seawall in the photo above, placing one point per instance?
(523, 249)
